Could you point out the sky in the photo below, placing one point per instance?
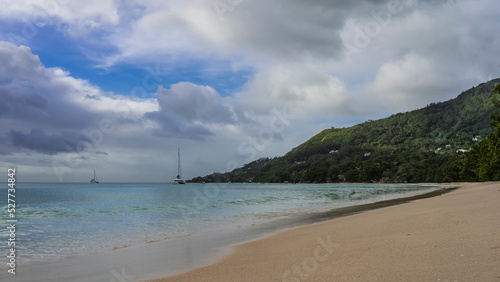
(119, 85)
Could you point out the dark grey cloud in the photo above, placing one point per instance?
(43, 110)
(21, 99)
(39, 141)
(171, 126)
(39, 96)
(195, 103)
(305, 29)
(296, 30)
(188, 110)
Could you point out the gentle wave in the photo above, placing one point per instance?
(62, 220)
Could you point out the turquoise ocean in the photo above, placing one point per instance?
(56, 221)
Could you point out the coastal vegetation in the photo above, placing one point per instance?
(456, 140)
(482, 162)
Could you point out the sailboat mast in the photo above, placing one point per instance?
(178, 179)
(94, 180)
(178, 162)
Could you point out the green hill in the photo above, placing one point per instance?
(418, 146)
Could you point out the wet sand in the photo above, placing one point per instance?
(450, 237)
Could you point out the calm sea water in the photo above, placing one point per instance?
(62, 220)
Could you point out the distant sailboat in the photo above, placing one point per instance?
(94, 180)
(178, 179)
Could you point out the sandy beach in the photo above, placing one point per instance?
(451, 237)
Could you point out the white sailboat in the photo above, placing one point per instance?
(178, 179)
(94, 180)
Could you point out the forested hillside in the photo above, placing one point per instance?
(425, 145)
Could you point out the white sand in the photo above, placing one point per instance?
(452, 237)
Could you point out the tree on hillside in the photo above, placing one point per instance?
(482, 163)
(424, 145)
(495, 116)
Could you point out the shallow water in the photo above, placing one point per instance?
(62, 220)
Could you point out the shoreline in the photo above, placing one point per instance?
(178, 258)
(281, 255)
(152, 260)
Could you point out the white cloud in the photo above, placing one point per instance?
(76, 17)
(307, 92)
(407, 84)
(166, 33)
(428, 55)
